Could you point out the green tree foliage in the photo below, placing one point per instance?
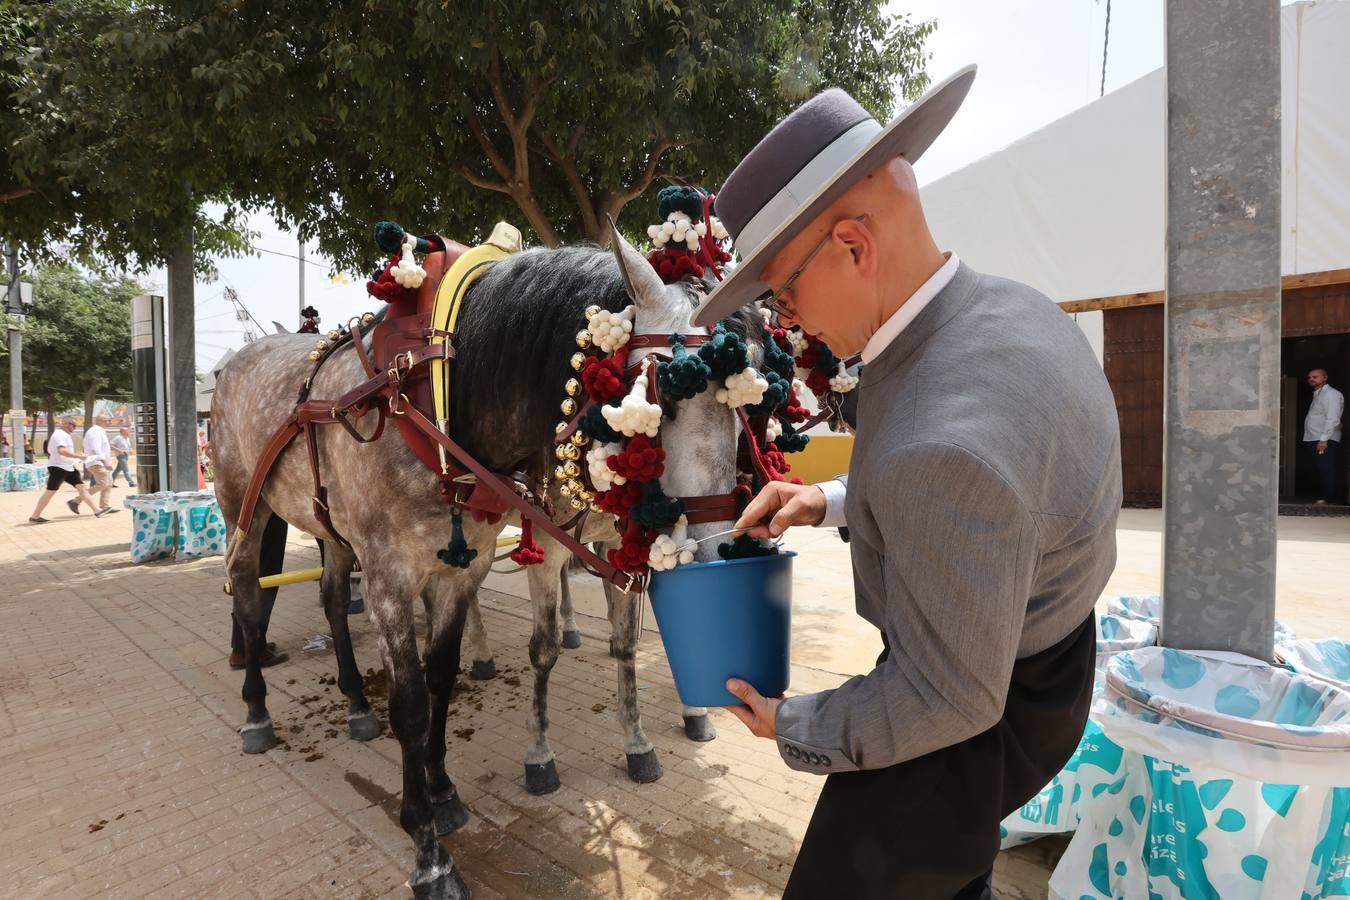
(76, 339)
(444, 116)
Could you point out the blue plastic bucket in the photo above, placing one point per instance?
(725, 619)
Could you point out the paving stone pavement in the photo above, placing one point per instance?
(121, 773)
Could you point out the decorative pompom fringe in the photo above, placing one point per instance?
(744, 547)
(634, 415)
(457, 553)
(725, 355)
(603, 378)
(639, 462)
(527, 553)
(686, 375)
(674, 549)
(657, 511)
(595, 425)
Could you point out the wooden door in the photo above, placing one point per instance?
(1133, 359)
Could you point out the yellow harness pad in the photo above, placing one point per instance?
(504, 241)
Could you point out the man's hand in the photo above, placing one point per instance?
(1321, 448)
(780, 506)
(758, 712)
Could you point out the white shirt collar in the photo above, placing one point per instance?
(891, 328)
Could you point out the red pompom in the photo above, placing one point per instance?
(672, 265)
(619, 499)
(818, 382)
(603, 379)
(527, 553)
(640, 461)
(774, 460)
(632, 552)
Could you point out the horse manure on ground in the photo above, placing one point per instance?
(464, 734)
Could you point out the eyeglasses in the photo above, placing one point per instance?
(779, 302)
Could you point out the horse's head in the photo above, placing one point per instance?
(699, 434)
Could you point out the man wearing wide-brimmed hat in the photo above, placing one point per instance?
(981, 498)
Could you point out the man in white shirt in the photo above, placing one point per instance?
(99, 454)
(1322, 433)
(61, 470)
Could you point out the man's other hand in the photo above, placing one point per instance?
(780, 506)
(758, 712)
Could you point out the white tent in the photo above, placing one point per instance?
(1078, 208)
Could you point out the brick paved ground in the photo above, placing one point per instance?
(121, 774)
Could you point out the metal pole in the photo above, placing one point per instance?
(183, 359)
(1223, 325)
(302, 280)
(14, 303)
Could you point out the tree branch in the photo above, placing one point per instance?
(567, 161)
(480, 182)
(17, 193)
(480, 134)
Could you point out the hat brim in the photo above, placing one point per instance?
(908, 136)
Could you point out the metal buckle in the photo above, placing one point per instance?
(632, 579)
(319, 503)
(396, 401)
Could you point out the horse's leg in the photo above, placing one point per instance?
(643, 766)
(484, 666)
(243, 561)
(571, 635)
(541, 771)
(335, 589)
(445, 629)
(390, 596)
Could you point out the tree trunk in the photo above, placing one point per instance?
(51, 423)
(90, 398)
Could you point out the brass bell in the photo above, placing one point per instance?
(367, 318)
(560, 428)
(333, 335)
(569, 407)
(560, 451)
(578, 439)
(595, 507)
(570, 451)
(592, 311)
(573, 387)
(577, 503)
(560, 472)
(583, 339)
(315, 356)
(578, 360)
(570, 469)
(566, 488)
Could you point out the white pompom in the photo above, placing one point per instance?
(745, 387)
(719, 231)
(798, 386)
(674, 549)
(701, 228)
(773, 429)
(408, 273)
(597, 463)
(610, 330)
(653, 231)
(634, 415)
(843, 382)
(667, 228)
(798, 341)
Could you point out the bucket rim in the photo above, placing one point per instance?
(720, 563)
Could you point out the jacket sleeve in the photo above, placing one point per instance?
(1335, 412)
(956, 564)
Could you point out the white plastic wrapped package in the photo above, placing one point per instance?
(1148, 608)
(1328, 658)
(201, 528)
(1096, 759)
(26, 477)
(1234, 783)
(153, 525)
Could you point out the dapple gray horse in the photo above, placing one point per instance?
(516, 333)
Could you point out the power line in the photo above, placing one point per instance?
(289, 256)
(1106, 44)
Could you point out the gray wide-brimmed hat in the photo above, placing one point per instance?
(809, 160)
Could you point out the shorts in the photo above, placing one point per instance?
(57, 476)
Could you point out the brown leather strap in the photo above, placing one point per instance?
(623, 580)
(278, 442)
(355, 330)
(711, 508)
(320, 498)
(643, 341)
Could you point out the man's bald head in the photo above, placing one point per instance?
(877, 251)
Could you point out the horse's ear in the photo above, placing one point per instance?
(644, 285)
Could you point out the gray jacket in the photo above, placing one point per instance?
(982, 501)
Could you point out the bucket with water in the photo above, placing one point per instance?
(726, 619)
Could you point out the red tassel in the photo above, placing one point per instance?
(527, 553)
(632, 552)
(603, 379)
(640, 461)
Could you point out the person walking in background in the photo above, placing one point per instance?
(1322, 434)
(121, 447)
(61, 470)
(99, 462)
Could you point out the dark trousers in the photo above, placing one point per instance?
(928, 828)
(1328, 464)
(270, 560)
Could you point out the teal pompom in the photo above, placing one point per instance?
(790, 441)
(745, 547)
(686, 375)
(725, 355)
(389, 236)
(457, 553)
(595, 427)
(656, 510)
(680, 198)
(775, 396)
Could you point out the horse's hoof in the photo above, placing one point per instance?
(571, 640)
(698, 728)
(644, 768)
(356, 606)
(440, 881)
(258, 736)
(483, 670)
(450, 813)
(364, 727)
(542, 779)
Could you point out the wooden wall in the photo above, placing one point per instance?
(1133, 358)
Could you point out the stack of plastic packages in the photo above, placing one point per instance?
(187, 524)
